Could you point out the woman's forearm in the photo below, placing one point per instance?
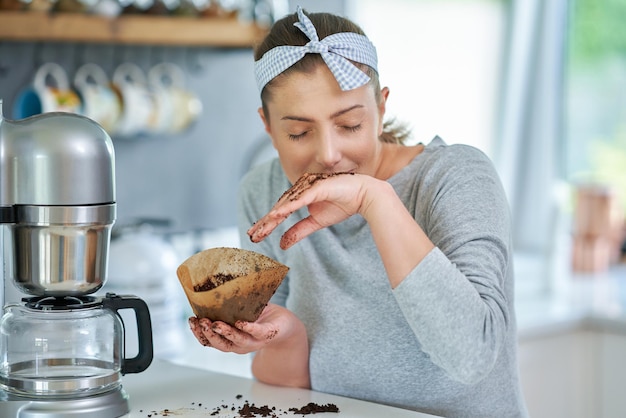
(285, 362)
(401, 242)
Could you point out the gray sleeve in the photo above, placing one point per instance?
(457, 299)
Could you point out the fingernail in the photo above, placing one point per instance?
(287, 241)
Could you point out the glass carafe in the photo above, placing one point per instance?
(70, 347)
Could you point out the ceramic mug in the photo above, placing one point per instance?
(176, 107)
(138, 107)
(100, 101)
(49, 92)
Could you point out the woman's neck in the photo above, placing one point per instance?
(395, 157)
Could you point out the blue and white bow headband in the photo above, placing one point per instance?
(335, 49)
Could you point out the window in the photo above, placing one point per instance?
(540, 86)
(596, 93)
(441, 61)
(596, 96)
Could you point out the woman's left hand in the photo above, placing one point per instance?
(331, 198)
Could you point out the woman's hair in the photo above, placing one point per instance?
(283, 32)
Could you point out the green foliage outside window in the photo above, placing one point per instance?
(597, 83)
(598, 29)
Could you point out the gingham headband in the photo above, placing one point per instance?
(335, 49)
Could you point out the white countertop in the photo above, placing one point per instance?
(166, 389)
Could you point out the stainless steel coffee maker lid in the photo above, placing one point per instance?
(55, 159)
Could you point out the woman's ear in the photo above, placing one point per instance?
(384, 95)
(267, 125)
(265, 122)
(382, 107)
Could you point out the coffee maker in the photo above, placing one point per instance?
(61, 348)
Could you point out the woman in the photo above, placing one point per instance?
(400, 289)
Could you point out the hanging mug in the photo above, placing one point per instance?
(176, 107)
(137, 102)
(49, 92)
(100, 101)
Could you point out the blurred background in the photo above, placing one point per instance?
(538, 85)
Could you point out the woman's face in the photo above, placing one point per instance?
(317, 127)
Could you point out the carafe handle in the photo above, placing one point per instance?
(142, 360)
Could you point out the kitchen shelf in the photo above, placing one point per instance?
(128, 29)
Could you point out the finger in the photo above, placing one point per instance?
(232, 339)
(232, 334)
(194, 325)
(305, 183)
(281, 211)
(299, 231)
(213, 339)
(216, 339)
(296, 197)
(263, 334)
(264, 226)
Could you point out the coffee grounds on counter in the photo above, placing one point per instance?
(249, 410)
(313, 408)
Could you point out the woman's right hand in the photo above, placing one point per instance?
(274, 324)
(330, 199)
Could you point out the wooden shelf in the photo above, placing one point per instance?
(131, 29)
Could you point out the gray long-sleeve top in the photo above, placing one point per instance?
(444, 340)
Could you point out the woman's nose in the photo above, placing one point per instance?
(328, 152)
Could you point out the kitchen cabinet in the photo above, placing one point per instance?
(611, 383)
(577, 373)
(556, 372)
(128, 29)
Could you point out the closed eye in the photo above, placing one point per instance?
(352, 128)
(295, 137)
